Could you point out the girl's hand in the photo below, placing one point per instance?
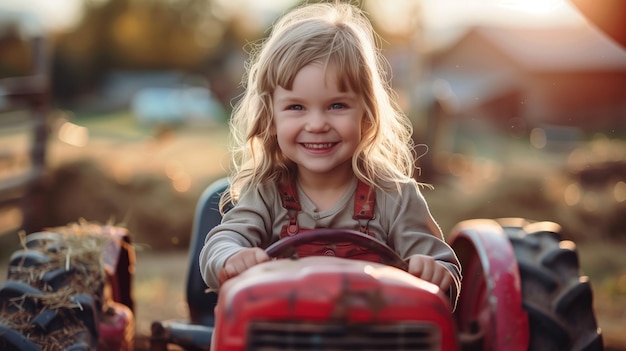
(427, 268)
(241, 261)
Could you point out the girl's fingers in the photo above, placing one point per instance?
(427, 268)
(416, 266)
(248, 261)
(422, 266)
(446, 282)
(241, 261)
(261, 256)
(225, 274)
(428, 272)
(257, 256)
(442, 277)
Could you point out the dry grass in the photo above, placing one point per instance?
(77, 248)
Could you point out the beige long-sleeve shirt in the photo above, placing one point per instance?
(401, 220)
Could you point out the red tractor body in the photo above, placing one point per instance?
(331, 302)
(490, 305)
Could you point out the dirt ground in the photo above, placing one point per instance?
(159, 290)
(188, 161)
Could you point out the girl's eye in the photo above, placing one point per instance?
(295, 107)
(337, 106)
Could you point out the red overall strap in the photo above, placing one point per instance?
(289, 196)
(364, 200)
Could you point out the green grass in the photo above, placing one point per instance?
(116, 125)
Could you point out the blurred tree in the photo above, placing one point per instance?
(15, 59)
(200, 36)
(136, 34)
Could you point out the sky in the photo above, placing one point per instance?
(54, 15)
(438, 15)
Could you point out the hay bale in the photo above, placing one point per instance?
(66, 266)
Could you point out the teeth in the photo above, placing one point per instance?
(318, 146)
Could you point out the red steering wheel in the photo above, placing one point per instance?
(286, 247)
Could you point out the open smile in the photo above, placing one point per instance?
(319, 146)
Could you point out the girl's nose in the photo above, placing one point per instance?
(317, 122)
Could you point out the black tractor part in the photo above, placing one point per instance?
(38, 308)
(556, 297)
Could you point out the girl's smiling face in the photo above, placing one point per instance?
(318, 127)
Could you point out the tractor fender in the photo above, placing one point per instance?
(496, 315)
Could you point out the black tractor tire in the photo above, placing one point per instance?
(556, 297)
(40, 311)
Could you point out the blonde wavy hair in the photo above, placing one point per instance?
(339, 34)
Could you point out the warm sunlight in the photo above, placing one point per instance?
(440, 13)
(532, 6)
(54, 15)
(442, 20)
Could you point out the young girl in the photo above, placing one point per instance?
(322, 144)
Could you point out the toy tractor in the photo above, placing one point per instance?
(521, 290)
